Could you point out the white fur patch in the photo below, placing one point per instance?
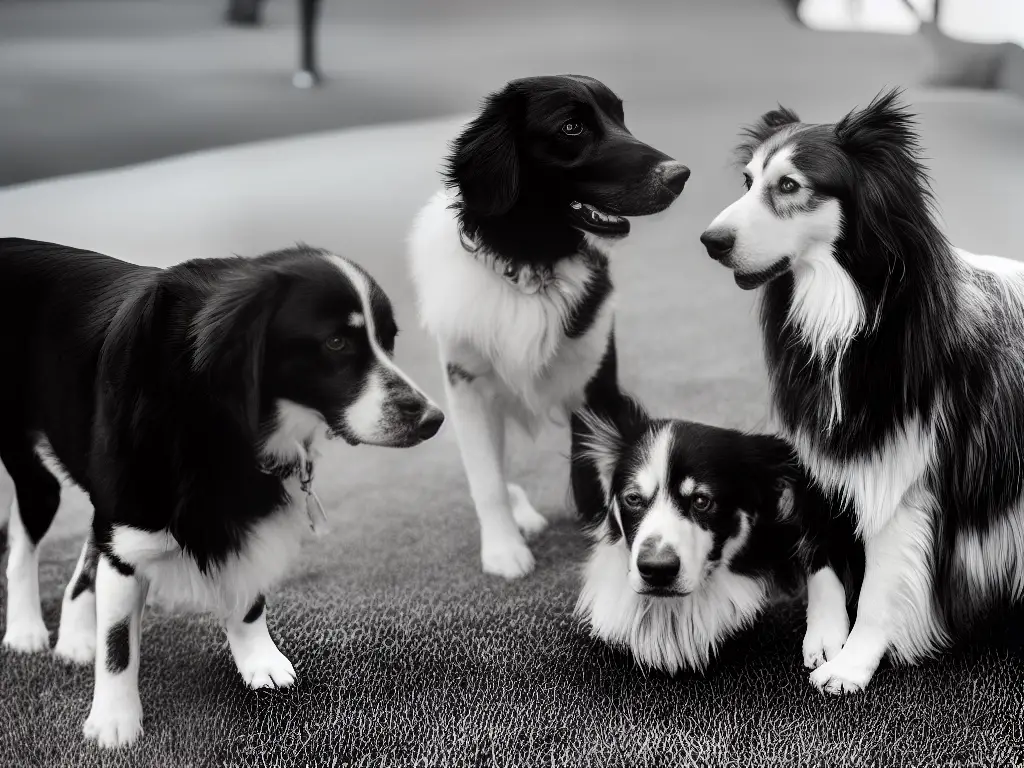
(687, 487)
(364, 416)
(653, 474)
(828, 623)
(268, 551)
(297, 426)
(993, 560)
(536, 371)
(26, 632)
(875, 485)
(357, 320)
(663, 526)
(669, 634)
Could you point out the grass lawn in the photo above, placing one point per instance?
(406, 653)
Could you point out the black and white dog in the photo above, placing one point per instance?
(189, 403)
(701, 528)
(897, 369)
(513, 279)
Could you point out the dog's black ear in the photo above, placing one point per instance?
(229, 337)
(752, 136)
(484, 163)
(883, 127)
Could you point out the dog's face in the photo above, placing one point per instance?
(804, 185)
(561, 142)
(321, 333)
(680, 499)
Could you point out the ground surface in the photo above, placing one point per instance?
(406, 653)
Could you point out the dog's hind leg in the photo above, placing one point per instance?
(76, 638)
(256, 656)
(37, 496)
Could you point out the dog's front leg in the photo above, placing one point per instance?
(828, 623)
(115, 719)
(257, 658)
(894, 612)
(479, 421)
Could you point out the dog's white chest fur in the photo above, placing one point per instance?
(490, 327)
(270, 547)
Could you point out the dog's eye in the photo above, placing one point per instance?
(632, 499)
(701, 503)
(787, 185)
(338, 344)
(572, 127)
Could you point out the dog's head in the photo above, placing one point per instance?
(302, 339)
(823, 198)
(681, 497)
(560, 143)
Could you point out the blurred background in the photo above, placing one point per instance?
(92, 84)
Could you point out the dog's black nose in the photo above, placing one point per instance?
(719, 243)
(431, 422)
(658, 567)
(674, 176)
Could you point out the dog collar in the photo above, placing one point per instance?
(525, 278)
(302, 466)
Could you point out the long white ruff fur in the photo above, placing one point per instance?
(482, 322)
(669, 634)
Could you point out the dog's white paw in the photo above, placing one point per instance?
(115, 727)
(509, 558)
(267, 667)
(27, 636)
(529, 520)
(823, 641)
(76, 648)
(841, 675)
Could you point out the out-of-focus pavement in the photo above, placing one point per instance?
(90, 84)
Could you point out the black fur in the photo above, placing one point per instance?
(517, 172)
(119, 649)
(156, 389)
(921, 342)
(86, 580)
(749, 472)
(256, 610)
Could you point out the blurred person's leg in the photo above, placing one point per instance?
(308, 74)
(245, 12)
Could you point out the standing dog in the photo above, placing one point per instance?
(700, 529)
(897, 369)
(189, 404)
(513, 276)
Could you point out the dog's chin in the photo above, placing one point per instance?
(662, 593)
(748, 281)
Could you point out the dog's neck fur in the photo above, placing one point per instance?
(538, 235)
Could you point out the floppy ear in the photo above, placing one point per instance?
(229, 336)
(752, 136)
(484, 163)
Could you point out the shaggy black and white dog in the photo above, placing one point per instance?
(513, 277)
(701, 528)
(897, 369)
(189, 404)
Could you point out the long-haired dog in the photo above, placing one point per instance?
(897, 369)
(701, 528)
(513, 277)
(189, 403)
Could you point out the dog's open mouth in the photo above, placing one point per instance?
(591, 219)
(751, 280)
